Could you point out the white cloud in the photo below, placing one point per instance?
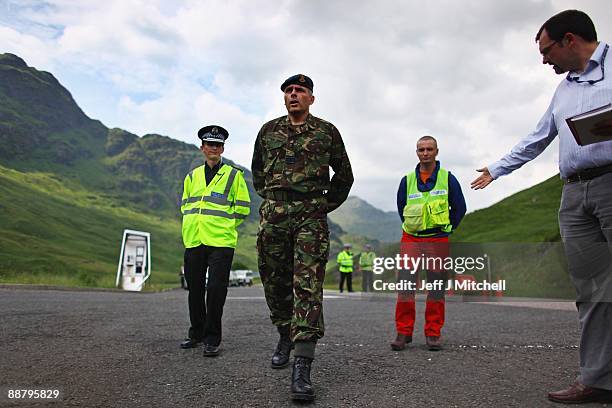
(31, 48)
(385, 73)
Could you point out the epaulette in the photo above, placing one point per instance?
(236, 167)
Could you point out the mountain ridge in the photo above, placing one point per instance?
(356, 215)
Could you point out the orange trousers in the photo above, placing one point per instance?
(405, 313)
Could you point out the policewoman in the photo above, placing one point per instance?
(215, 201)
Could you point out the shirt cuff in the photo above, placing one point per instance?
(496, 170)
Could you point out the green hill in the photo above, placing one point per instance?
(521, 235)
(527, 216)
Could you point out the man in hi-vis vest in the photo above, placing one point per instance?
(431, 205)
(215, 201)
(366, 265)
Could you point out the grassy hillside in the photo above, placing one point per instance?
(527, 216)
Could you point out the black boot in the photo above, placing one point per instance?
(280, 359)
(301, 387)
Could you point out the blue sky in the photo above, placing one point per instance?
(385, 73)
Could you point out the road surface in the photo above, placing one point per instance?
(105, 348)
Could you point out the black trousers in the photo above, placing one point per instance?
(349, 280)
(367, 280)
(206, 300)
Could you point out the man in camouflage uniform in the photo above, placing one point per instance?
(290, 167)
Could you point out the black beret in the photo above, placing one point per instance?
(213, 133)
(299, 79)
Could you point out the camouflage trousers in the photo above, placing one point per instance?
(293, 246)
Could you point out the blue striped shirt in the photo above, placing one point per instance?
(570, 99)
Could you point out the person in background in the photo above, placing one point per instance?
(366, 263)
(345, 266)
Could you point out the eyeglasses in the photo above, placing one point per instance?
(592, 81)
(544, 51)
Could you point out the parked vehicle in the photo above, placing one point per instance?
(241, 277)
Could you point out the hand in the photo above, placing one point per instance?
(483, 180)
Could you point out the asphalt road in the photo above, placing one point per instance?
(121, 349)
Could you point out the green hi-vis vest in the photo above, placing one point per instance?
(366, 260)
(426, 210)
(345, 261)
(212, 212)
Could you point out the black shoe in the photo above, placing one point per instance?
(433, 343)
(191, 343)
(400, 342)
(280, 358)
(301, 387)
(211, 351)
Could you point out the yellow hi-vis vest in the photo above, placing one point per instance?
(366, 260)
(429, 209)
(345, 261)
(212, 212)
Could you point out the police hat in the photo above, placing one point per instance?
(213, 133)
(299, 79)
(347, 245)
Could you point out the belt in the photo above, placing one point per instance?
(284, 195)
(589, 174)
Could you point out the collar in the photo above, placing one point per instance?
(216, 166)
(309, 123)
(591, 71)
(418, 169)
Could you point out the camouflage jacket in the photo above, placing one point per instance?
(297, 158)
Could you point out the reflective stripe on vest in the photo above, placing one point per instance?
(429, 209)
(345, 261)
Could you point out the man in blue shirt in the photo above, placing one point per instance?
(568, 42)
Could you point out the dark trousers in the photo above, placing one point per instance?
(367, 279)
(206, 309)
(349, 281)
